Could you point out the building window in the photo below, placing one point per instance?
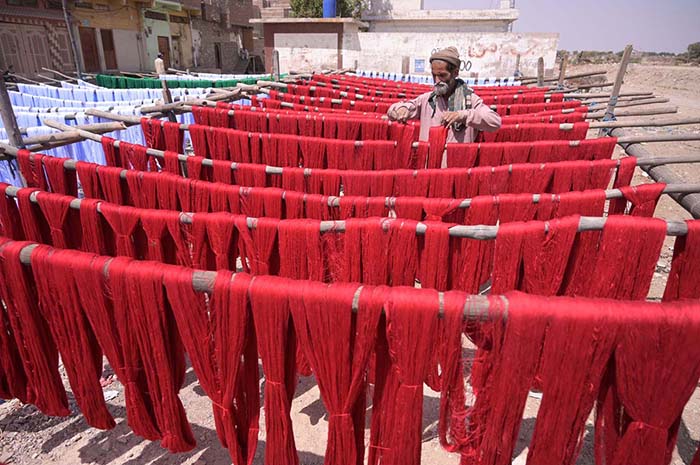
(33, 3)
(155, 15)
(179, 19)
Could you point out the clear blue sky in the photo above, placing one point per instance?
(650, 25)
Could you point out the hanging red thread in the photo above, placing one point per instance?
(59, 304)
(643, 199)
(61, 179)
(222, 363)
(685, 267)
(32, 336)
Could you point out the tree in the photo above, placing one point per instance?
(694, 52)
(314, 8)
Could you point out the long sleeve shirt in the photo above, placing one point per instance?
(479, 118)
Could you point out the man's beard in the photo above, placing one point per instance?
(442, 88)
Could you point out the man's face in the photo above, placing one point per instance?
(444, 78)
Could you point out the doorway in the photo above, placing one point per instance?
(164, 48)
(88, 45)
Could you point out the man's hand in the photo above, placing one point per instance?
(451, 117)
(400, 114)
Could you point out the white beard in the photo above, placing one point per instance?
(441, 89)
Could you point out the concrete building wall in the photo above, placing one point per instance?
(208, 37)
(181, 45)
(491, 54)
(427, 26)
(110, 15)
(307, 52)
(153, 29)
(129, 50)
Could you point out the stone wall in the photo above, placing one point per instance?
(491, 54)
(206, 35)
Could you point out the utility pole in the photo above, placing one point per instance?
(71, 37)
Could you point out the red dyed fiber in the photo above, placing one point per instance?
(31, 167)
(31, 333)
(63, 222)
(142, 298)
(61, 180)
(337, 345)
(174, 137)
(93, 231)
(117, 339)
(123, 222)
(277, 346)
(226, 363)
(153, 133)
(33, 223)
(643, 199)
(411, 331)
(685, 267)
(112, 154)
(60, 306)
(111, 185)
(10, 220)
(89, 182)
(142, 188)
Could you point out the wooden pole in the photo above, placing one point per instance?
(167, 99)
(64, 76)
(71, 37)
(533, 79)
(517, 72)
(8, 117)
(657, 138)
(650, 122)
(540, 72)
(637, 112)
(619, 79)
(276, 65)
(562, 70)
(691, 202)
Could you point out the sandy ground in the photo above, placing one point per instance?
(29, 437)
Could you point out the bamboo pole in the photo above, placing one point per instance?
(607, 94)
(533, 79)
(479, 232)
(98, 128)
(660, 173)
(48, 78)
(658, 138)
(31, 81)
(636, 103)
(475, 308)
(651, 122)
(562, 70)
(610, 110)
(634, 112)
(71, 38)
(563, 126)
(9, 120)
(64, 76)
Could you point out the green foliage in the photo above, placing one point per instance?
(694, 52)
(314, 8)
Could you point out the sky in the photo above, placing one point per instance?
(650, 25)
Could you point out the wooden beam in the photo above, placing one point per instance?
(64, 76)
(540, 72)
(619, 79)
(9, 120)
(646, 122)
(562, 69)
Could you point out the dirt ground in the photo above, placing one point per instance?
(31, 438)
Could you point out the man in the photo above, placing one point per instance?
(160, 64)
(451, 103)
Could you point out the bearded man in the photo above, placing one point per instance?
(451, 103)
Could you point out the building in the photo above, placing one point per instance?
(399, 36)
(125, 35)
(33, 35)
(220, 33)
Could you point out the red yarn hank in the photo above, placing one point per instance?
(153, 133)
(657, 367)
(643, 200)
(337, 345)
(13, 378)
(10, 221)
(63, 221)
(411, 332)
(277, 346)
(32, 168)
(60, 306)
(103, 302)
(223, 362)
(158, 343)
(174, 137)
(61, 179)
(32, 335)
(685, 268)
